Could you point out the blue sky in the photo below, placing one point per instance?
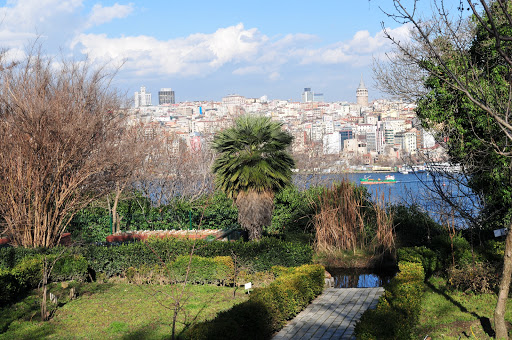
(205, 50)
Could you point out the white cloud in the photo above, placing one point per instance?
(247, 51)
(358, 51)
(194, 55)
(35, 15)
(100, 15)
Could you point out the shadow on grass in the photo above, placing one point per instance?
(29, 331)
(484, 321)
(145, 332)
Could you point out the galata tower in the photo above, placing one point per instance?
(362, 94)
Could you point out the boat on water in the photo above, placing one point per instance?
(389, 179)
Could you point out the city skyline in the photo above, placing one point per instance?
(207, 50)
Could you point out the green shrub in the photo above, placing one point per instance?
(9, 286)
(461, 252)
(414, 227)
(267, 309)
(397, 312)
(29, 272)
(427, 257)
(294, 210)
(69, 267)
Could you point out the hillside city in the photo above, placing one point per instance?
(339, 136)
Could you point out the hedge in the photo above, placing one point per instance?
(267, 309)
(397, 312)
(427, 257)
(28, 273)
(116, 259)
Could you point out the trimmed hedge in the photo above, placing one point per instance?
(267, 309)
(203, 270)
(427, 257)
(397, 312)
(115, 260)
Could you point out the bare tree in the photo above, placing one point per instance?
(60, 123)
(171, 169)
(470, 59)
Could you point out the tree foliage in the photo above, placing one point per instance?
(464, 68)
(252, 164)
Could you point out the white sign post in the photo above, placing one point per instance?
(248, 286)
(500, 232)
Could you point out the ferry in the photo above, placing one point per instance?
(389, 179)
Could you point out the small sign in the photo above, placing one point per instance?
(500, 232)
(248, 285)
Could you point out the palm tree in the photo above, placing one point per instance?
(252, 165)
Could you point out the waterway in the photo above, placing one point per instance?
(360, 277)
(406, 186)
(409, 189)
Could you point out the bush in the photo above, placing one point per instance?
(478, 277)
(69, 267)
(267, 309)
(202, 270)
(427, 257)
(293, 210)
(414, 227)
(461, 253)
(9, 286)
(397, 312)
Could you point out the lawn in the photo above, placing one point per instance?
(448, 314)
(114, 311)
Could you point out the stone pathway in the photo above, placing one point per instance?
(332, 315)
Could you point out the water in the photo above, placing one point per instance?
(410, 189)
(360, 278)
(399, 192)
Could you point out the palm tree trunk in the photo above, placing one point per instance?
(255, 211)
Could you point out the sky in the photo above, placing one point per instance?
(205, 50)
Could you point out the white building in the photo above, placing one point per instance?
(307, 95)
(332, 143)
(142, 98)
(233, 100)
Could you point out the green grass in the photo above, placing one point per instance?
(113, 311)
(448, 314)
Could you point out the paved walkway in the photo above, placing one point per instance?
(332, 315)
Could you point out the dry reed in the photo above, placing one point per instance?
(346, 220)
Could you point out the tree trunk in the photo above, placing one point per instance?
(499, 313)
(44, 311)
(255, 211)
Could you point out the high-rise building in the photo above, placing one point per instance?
(307, 95)
(142, 98)
(166, 96)
(318, 97)
(362, 94)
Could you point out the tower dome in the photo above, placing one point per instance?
(362, 93)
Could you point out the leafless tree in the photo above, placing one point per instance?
(440, 49)
(173, 169)
(60, 122)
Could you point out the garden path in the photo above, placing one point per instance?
(332, 315)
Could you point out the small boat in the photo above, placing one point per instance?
(389, 179)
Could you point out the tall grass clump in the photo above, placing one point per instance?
(347, 221)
